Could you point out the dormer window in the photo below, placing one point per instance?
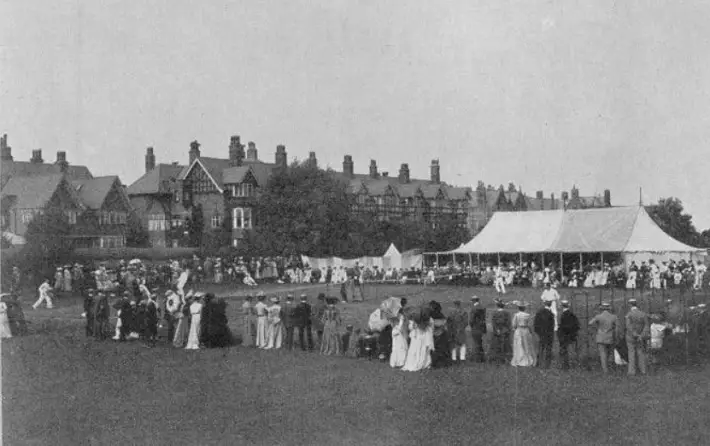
(242, 190)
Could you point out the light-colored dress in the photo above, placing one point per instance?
(181, 331)
(67, 281)
(261, 335)
(4, 322)
(274, 327)
(193, 339)
(248, 324)
(400, 343)
(523, 347)
(421, 344)
(332, 341)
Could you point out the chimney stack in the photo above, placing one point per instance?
(36, 157)
(539, 195)
(575, 192)
(554, 204)
(373, 169)
(194, 151)
(404, 173)
(62, 161)
(149, 159)
(5, 150)
(385, 174)
(236, 151)
(565, 195)
(312, 160)
(435, 172)
(607, 198)
(348, 166)
(281, 157)
(251, 152)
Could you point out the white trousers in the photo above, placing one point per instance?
(459, 352)
(261, 338)
(500, 285)
(43, 298)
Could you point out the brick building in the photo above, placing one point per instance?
(96, 208)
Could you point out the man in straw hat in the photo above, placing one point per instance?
(567, 333)
(477, 322)
(637, 334)
(457, 322)
(606, 325)
(260, 309)
(288, 316)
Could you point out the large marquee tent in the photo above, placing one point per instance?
(628, 231)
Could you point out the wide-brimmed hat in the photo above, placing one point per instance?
(564, 303)
(275, 299)
(633, 300)
(475, 298)
(605, 305)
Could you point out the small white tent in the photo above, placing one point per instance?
(392, 258)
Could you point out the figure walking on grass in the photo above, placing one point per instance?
(606, 325)
(44, 295)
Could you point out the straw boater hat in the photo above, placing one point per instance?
(564, 303)
(633, 301)
(475, 298)
(275, 299)
(606, 305)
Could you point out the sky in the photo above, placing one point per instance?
(602, 95)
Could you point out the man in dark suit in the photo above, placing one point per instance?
(288, 318)
(545, 329)
(500, 343)
(302, 322)
(477, 322)
(637, 336)
(567, 333)
(88, 312)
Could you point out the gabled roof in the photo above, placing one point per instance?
(33, 192)
(235, 175)
(156, 181)
(432, 191)
(25, 168)
(458, 193)
(408, 190)
(93, 193)
(215, 168)
(262, 172)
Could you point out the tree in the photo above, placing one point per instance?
(303, 210)
(195, 226)
(47, 244)
(668, 215)
(136, 234)
(511, 187)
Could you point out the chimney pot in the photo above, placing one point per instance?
(607, 198)
(373, 169)
(5, 150)
(539, 195)
(149, 159)
(251, 151)
(348, 166)
(281, 157)
(312, 160)
(404, 173)
(236, 151)
(385, 174)
(194, 151)
(62, 161)
(435, 172)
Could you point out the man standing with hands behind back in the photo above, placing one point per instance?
(303, 323)
(477, 322)
(638, 331)
(607, 325)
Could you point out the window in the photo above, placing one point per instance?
(200, 181)
(177, 222)
(242, 190)
(157, 222)
(71, 217)
(241, 218)
(217, 221)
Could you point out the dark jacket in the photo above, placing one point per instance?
(501, 323)
(302, 316)
(288, 314)
(477, 319)
(568, 328)
(545, 323)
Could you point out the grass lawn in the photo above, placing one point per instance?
(59, 388)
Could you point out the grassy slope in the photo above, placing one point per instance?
(59, 388)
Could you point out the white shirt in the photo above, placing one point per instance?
(260, 308)
(44, 288)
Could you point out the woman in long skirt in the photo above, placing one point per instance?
(102, 311)
(5, 331)
(400, 342)
(523, 346)
(183, 324)
(332, 342)
(274, 326)
(193, 339)
(441, 356)
(248, 313)
(421, 342)
(260, 310)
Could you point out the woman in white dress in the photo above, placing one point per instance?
(400, 339)
(260, 309)
(274, 325)
(421, 335)
(631, 280)
(193, 339)
(4, 322)
(523, 347)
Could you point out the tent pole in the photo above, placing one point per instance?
(437, 259)
(470, 261)
(478, 259)
(498, 259)
(543, 261)
(521, 260)
(562, 267)
(602, 260)
(580, 261)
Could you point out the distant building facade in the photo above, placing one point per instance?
(96, 208)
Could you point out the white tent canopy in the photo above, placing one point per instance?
(618, 229)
